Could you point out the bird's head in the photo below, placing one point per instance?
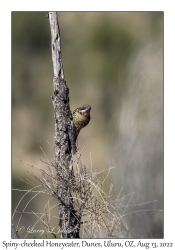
(85, 109)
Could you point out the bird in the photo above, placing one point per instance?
(81, 118)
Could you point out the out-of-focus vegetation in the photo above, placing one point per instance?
(114, 62)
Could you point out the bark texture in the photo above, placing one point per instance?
(68, 221)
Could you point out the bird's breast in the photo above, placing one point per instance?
(81, 117)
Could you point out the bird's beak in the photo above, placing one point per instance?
(87, 109)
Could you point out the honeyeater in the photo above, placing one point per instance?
(81, 117)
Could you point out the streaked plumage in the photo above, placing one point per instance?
(81, 117)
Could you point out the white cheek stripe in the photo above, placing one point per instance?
(83, 111)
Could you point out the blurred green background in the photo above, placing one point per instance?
(114, 62)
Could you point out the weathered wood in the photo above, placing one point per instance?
(69, 225)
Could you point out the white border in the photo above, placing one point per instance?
(169, 93)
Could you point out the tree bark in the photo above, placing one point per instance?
(68, 222)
